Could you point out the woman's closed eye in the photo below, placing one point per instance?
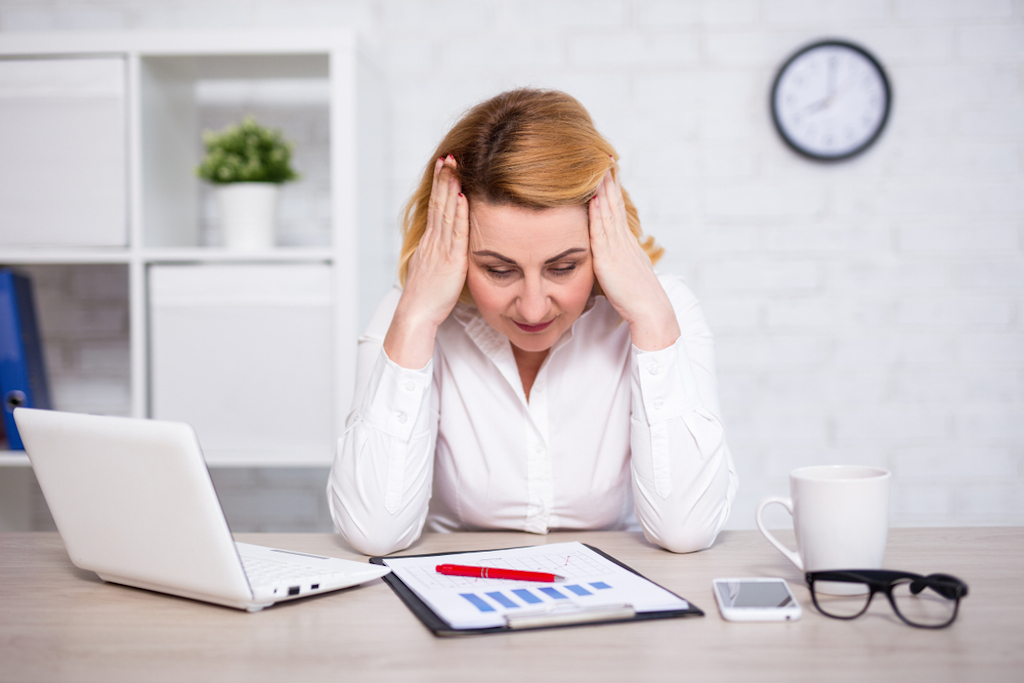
(501, 273)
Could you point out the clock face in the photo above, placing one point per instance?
(830, 100)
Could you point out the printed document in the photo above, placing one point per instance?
(592, 581)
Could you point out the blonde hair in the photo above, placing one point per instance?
(534, 149)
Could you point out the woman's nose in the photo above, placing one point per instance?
(533, 303)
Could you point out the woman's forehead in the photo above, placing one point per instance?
(518, 232)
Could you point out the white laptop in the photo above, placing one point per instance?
(134, 502)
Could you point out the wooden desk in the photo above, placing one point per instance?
(58, 623)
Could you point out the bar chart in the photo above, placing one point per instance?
(524, 597)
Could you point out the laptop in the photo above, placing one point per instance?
(133, 502)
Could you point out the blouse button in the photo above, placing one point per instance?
(409, 386)
(402, 418)
(654, 368)
(659, 404)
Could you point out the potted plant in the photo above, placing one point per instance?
(247, 163)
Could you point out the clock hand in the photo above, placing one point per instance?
(829, 100)
(815, 107)
(826, 101)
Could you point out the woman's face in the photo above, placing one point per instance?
(530, 271)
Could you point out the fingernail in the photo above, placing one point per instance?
(449, 157)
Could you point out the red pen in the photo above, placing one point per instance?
(496, 573)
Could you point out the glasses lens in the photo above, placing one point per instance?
(841, 599)
(926, 608)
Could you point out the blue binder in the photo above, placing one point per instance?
(22, 373)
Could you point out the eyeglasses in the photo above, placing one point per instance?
(924, 601)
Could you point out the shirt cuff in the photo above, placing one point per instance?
(667, 384)
(394, 398)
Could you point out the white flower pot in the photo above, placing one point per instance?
(247, 214)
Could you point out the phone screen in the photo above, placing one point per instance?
(754, 593)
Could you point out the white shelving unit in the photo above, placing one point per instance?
(162, 73)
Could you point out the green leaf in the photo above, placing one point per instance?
(246, 152)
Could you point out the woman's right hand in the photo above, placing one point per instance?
(436, 275)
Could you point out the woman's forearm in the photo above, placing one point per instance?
(380, 482)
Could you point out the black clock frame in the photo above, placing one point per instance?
(885, 115)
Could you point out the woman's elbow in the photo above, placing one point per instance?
(683, 539)
(373, 546)
(375, 541)
(368, 535)
(695, 530)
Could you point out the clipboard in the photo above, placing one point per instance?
(533, 619)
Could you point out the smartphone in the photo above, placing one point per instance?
(756, 599)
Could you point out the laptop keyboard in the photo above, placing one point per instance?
(263, 573)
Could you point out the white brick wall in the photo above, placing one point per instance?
(870, 311)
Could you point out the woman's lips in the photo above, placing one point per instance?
(533, 328)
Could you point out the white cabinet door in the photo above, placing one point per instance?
(63, 158)
(242, 352)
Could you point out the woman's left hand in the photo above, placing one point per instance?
(626, 273)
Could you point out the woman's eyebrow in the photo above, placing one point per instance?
(496, 255)
(574, 250)
(506, 259)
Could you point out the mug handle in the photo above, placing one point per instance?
(788, 504)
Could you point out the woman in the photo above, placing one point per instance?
(533, 372)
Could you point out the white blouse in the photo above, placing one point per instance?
(609, 432)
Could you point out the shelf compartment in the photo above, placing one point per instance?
(182, 95)
(82, 309)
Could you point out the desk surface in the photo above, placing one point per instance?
(60, 623)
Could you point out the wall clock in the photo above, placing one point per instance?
(831, 100)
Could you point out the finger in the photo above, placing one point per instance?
(440, 192)
(460, 230)
(618, 199)
(615, 205)
(597, 228)
(605, 193)
(438, 165)
(432, 202)
(451, 200)
(442, 168)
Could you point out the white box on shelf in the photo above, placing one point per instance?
(242, 352)
(63, 177)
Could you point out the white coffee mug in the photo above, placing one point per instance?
(840, 516)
